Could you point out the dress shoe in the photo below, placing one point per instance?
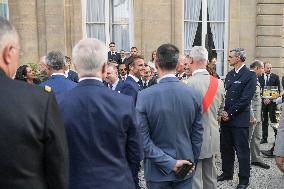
(262, 141)
(242, 186)
(223, 177)
(260, 164)
(267, 153)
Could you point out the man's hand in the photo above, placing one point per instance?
(180, 163)
(225, 116)
(266, 101)
(279, 162)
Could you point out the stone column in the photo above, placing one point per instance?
(23, 16)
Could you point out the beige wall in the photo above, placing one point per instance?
(46, 25)
(157, 22)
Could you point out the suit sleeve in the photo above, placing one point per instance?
(245, 98)
(56, 150)
(134, 151)
(151, 151)
(278, 83)
(197, 131)
(279, 143)
(128, 90)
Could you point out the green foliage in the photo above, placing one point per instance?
(34, 67)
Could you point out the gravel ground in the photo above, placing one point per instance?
(260, 178)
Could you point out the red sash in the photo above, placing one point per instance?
(209, 96)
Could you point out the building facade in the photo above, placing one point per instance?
(219, 25)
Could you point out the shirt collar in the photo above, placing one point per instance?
(133, 77)
(165, 76)
(115, 84)
(85, 78)
(58, 74)
(237, 71)
(198, 71)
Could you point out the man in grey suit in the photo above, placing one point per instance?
(279, 144)
(169, 114)
(256, 124)
(213, 94)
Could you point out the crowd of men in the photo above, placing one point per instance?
(92, 129)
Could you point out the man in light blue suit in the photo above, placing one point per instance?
(169, 114)
(55, 62)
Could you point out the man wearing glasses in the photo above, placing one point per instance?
(112, 55)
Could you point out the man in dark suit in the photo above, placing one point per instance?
(112, 54)
(133, 84)
(283, 82)
(268, 107)
(57, 81)
(104, 140)
(148, 78)
(113, 82)
(240, 84)
(123, 58)
(70, 74)
(34, 152)
(169, 114)
(122, 71)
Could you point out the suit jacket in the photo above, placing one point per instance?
(73, 76)
(119, 86)
(240, 89)
(114, 57)
(273, 81)
(34, 152)
(59, 84)
(279, 143)
(169, 115)
(211, 134)
(131, 88)
(256, 103)
(283, 82)
(103, 136)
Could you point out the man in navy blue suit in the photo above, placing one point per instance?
(70, 74)
(133, 83)
(112, 54)
(240, 85)
(103, 138)
(55, 62)
(169, 114)
(113, 82)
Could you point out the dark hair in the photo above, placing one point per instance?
(55, 60)
(256, 64)
(266, 62)
(167, 56)
(112, 43)
(134, 48)
(211, 68)
(21, 73)
(67, 59)
(131, 60)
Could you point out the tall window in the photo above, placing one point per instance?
(110, 20)
(205, 25)
(4, 8)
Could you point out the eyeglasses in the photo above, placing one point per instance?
(123, 69)
(111, 46)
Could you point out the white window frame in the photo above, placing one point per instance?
(108, 22)
(7, 4)
(204, 22)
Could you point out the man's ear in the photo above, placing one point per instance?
(7, 54)
(104, 71)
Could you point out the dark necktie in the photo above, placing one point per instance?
(267, 78)
(140, 83)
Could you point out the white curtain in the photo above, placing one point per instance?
(216, 9)
(4, 8)
(120, 27)
(95, 19)
(191, 13)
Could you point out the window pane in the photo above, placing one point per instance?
(96, 31)
(120, 35)
(95, 11)
(3, 9)
(216, 10)
(120, 11)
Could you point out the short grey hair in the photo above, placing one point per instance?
(240, 52)
(89, 55)
(55, 60)
(256, 64)
(6, 29)
(199, 52)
